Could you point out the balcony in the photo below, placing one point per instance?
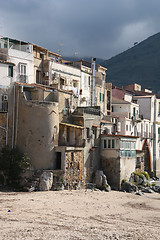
(23, 78)
(8, 43)
(137, 118)
(76, 143)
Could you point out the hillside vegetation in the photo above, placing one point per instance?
(140, 64)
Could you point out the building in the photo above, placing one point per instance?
(20, 54)
(118, 157)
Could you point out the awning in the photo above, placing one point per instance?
(71, 125)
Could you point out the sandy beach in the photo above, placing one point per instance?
(79, 215)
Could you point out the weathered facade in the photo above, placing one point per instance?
(89, 118)
(35, 124)
(118, 157)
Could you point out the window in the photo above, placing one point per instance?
(89, 81)
(68, 134)
(23, 69)
(158, 133)
(103, 97)
(87, 131)
(100, 97)
(105, 145)
(134, 111)
(113, 143)
(108, 100)
(10, 71)
(38, 76)
(130, 128)
(58, 160)
(109, 143)
(23, 73)
(126, 127)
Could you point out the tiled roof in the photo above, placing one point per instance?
(6, 62)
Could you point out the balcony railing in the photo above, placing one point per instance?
(23, 78)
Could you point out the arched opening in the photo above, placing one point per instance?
(147, 157)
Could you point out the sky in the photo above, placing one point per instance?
(82, 28)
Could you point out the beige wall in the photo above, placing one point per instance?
(38, 128)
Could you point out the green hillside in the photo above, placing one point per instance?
(140, 64)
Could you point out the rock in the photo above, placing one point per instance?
(139, 193)
(100, 179)
(147, 190)
(156, 188)
(108, 188)
(128, 187)
(46, 181)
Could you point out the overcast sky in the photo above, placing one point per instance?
(97, 28)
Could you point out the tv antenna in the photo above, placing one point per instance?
(60, 45)
(75, 55)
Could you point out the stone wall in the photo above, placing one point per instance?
(73, 168)
(3, 124)
(37, 130)
(117, 169)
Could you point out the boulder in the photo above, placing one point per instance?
(46, 181)
(155, 188)
(101, 181)
(128, 187)
(147, 190)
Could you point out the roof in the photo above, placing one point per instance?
(71, 125)
(45, 49)
(15, 41)
(108, 122)
(145, 96)
(89, 64)
(6, 62)
(119, 101)
(34, 85)
(113, 135)
(43, 87)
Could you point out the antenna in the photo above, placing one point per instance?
(75, 55)
(60, 45)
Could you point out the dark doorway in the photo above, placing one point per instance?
(147, 157)
(58, 160)
(38, 76)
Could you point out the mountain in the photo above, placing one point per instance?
(139, 64)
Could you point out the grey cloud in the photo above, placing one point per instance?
(90, 27)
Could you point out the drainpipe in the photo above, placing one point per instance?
(7, 131)
(17, 118)
(154, 139)
(13, 116)
(93, 85)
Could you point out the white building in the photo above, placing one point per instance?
(21, 54)
(149, 108)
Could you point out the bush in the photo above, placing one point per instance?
(12, 163)
(142, 175)
(123, 181)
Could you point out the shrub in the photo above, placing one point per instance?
(12, 163)
(146, 175)
(123, 181)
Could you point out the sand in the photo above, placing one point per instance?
(79, 215)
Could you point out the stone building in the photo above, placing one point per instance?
(118, 157)
(89, 118)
